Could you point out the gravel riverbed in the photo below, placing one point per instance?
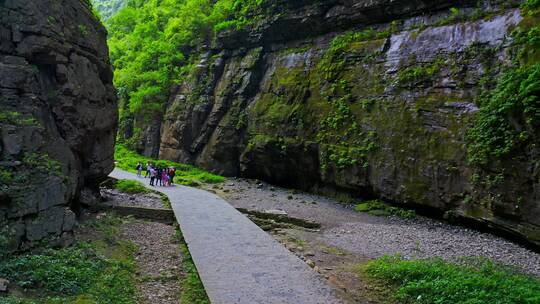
(117, 198)
(159, 261)
(371, 237)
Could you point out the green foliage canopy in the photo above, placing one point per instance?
(153, 44)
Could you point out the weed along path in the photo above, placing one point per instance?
(237, 261)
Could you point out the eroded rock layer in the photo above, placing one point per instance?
(58, 117)
(374, 98)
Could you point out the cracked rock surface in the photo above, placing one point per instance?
(58, 116)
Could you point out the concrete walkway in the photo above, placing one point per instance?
(237, 261)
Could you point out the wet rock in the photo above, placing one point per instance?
(276, 212)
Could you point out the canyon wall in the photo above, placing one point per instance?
(372, 98)
(58, 117)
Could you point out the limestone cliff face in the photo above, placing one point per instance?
(311, 97)
(58, 117)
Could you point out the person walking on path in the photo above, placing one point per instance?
(172, 173)
(165, 177)
(158, 176)
(148, 167)
(152, 175)
(139, 169)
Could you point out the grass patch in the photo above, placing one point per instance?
(185, 174)
(130, 186)
(471, 281)
(90, 272)
(164, 199)
(297, 242)
(108, 226)
(332, 250)
(379, 208)
(192, 288)
(133, 187)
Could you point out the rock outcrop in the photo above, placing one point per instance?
(371, 98)
(58, 116)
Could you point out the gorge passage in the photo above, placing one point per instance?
(429, 104)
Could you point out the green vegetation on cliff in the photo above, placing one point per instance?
(437, 281)
(344, 143)
(509, 116)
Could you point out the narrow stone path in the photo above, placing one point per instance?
(237, 261)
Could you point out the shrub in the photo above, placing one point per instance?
(68, 271)
(379, 208)
(88, 272)
(515, 100)
(131, 187)
(509, 116)
(529, 5)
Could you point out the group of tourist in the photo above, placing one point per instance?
(159, 176)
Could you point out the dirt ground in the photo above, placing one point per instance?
(158, 255)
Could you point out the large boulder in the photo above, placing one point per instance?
(58, 117)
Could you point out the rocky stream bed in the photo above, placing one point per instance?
(347, 239)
